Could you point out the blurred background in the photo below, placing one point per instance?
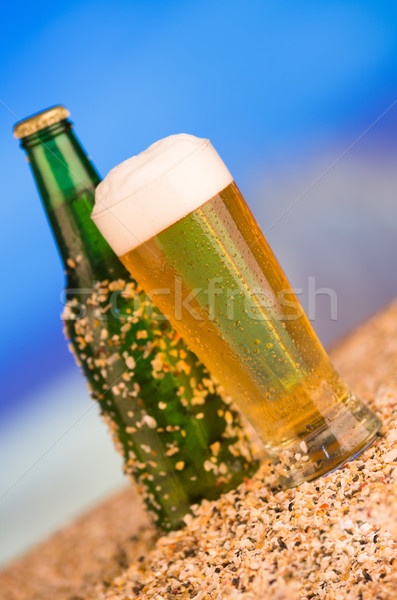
(300, 100)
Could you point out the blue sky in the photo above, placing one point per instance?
(267, 82)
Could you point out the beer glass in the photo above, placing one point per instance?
(180, 225)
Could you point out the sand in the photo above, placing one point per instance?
(333, 538)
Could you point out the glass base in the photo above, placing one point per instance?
(345, 435)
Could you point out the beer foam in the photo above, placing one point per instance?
(149, 192)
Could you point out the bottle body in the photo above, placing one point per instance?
(179, 438)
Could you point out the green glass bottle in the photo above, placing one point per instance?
(180, 439)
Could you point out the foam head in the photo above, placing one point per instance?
(149, 192)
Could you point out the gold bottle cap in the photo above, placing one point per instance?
(40, 120)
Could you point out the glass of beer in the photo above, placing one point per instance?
(180, 225)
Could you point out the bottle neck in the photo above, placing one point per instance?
(66, 180)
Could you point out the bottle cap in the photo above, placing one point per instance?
(40, 120)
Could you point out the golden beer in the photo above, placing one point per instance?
(213, 275)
